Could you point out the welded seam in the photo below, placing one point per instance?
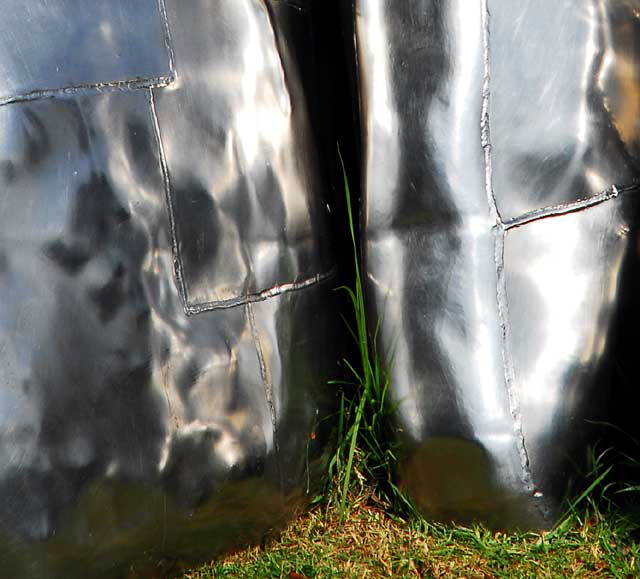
(500, 235)
(573, 207)
(261, 296)
(175, 250)
(162, 7)
(98, 87)
(266, 380)
(126, 85)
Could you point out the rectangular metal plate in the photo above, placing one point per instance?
(60, 44)
(244, 186)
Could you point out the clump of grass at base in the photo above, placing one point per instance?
(365, 449)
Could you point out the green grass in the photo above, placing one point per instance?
(373, 543)
(365, 447)
(598, 538)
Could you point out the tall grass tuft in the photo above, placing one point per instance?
(365, 450)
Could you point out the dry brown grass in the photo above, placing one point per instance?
(370, 543)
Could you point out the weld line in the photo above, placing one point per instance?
(565, 208)
(485, 122)
(500, 236)
(99, 87)
(175, 249)
(162, 6)
(266, 381)
(260, 296)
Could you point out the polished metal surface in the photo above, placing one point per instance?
(52, 46)
(164, 337)
(501, 167)
(241, 223)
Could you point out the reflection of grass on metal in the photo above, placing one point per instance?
(365, 449)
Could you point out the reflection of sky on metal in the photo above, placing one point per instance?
(591, 50)
(382, 106)
(573, 264)
(262, 119)
(382, 123)
(60, 43)
(464, 40)
(610, 61)
(564, 308)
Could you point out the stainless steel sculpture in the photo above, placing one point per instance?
(501, 176)
(164, 337)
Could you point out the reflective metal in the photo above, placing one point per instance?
(164, 337)
(501, 170)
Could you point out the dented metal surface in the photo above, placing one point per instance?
(501, 159)
(164, 337)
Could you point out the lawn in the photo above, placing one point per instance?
(370, 542)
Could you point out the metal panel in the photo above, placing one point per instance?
(459, 165)
(130, 431)
(564, 278)
(565, 112)
(246, 212)
(69, 44)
